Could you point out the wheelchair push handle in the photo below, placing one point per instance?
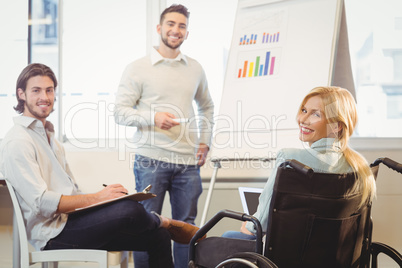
(299, 167)
(389, 163)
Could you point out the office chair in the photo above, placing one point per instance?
(314, 222)
(23, 257)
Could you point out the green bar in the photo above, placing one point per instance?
(257, 64)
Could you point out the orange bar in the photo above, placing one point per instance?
(245, 68)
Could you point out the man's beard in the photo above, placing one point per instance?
(166, 42)
(36, 114)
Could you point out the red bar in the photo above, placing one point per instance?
(239, 74)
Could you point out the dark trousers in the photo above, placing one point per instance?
(118, 226)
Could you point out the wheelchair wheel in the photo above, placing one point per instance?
(246, 259)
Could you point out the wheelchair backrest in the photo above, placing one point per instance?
(315, 221)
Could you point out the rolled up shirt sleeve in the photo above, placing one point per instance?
(24, 174)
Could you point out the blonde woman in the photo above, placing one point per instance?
(326, 118)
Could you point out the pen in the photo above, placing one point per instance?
(181, 120)
(105, 185)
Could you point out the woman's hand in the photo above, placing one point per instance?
(244, 230)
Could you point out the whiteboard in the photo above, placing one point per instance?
(280, 50)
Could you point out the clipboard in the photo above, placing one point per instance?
(136, 197)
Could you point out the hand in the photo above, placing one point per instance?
(202, 154)
(112, 191)
(163, 120)
(244, 230)
(71, 202)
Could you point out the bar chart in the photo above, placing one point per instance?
(245, 40)
(260, 63)
(267, 38)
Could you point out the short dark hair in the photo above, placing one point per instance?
(174, 8)
(33, 69)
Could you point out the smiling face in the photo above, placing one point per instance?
(38, 97)
(312, 122)
(173, 30)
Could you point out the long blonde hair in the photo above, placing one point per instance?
(340, 108)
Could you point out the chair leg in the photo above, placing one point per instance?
(50, 264)
(374, 260)
(16, 244)
(124, 264)
(126, 257)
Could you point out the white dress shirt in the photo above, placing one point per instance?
(34, 162)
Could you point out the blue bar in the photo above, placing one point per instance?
(255, 37)
(266, 63)
(261, 67)
(277, 37)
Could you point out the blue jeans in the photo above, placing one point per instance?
(183, 182)
(239, 235)
(117, 226)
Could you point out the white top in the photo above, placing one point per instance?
(156, 84)
(37, 169)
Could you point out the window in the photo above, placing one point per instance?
(375, 41)
(100, 37)
(43, 40)
(13, 55)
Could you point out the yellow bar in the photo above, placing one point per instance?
(250, 71)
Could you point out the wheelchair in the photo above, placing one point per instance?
(313, 222)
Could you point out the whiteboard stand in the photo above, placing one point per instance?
(217, 166)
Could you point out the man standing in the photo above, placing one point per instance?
(156, 95)
(34, 162)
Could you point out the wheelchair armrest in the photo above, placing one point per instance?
(225, 213)
(377, 248)
(389, 163)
